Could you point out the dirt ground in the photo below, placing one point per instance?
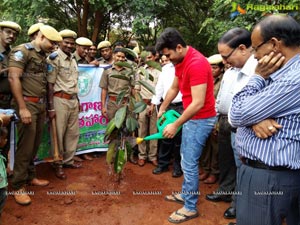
(90, 196)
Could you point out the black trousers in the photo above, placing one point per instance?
(227, 167)
(169, 147)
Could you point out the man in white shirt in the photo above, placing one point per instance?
(235, 49)
(168, 146)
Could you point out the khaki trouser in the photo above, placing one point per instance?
(147, 126)
(29, 139)
(67, 126)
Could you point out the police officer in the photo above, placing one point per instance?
(8, 35)
(33, 30)
(111, 87)
(27, 77)
(82, 49)
(9, 32)
(106, 52)
(63, 100)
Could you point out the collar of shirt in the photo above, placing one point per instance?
(3, 50)
(64, 55)
(249, 67)
(275, 76)
(37, 48)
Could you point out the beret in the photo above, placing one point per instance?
(68, 34)
(104, 44)
(83, 41)
(50, 33)
(11, 25)
(34, 28)
(215, 59)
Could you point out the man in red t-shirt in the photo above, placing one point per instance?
(195, 81)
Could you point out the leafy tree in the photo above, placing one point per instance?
(119, 130)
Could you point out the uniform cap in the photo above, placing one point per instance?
(50, 33)
(104, 44)
(215, 59)
(68, 34)
(84, 41)
(11, 25)
(34, 28)
(136, 50)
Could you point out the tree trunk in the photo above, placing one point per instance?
(98, 21)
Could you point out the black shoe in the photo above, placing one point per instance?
(232, 223)
(159, 170)
(177, 173)
(229, 213)
(218, 198)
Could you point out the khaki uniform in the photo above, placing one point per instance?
(209, 158)
(103, 61)
(33, 62)
(5, 92)
(114, 86)
(80, 60)
(63, 73)
(147, 124)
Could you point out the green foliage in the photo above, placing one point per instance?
(125, 121)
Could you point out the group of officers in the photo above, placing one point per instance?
(39, 78)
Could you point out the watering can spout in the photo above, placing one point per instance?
(168, 117)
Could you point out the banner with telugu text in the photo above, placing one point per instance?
(92, 124)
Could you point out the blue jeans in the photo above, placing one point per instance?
(194, 135)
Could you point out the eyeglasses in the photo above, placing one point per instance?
(227, 56)
(255, 49)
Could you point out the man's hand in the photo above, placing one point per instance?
(150, 110)
(104, 111)
(5, 119)
(25, 116)
(170, 130)
(266, 128)
(51, 114)
(269, 64)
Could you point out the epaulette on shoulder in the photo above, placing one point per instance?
(53, 55)
(29, 46)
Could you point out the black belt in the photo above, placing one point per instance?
(176, 104)
(260, 165)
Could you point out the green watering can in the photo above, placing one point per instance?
(168, 117)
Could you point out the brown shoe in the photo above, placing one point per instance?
(59, 172)
(77, 158)
(211, 179)
(141, 162)
(203, 176)
(154, 162)
(21, 197)
(87, 157)
(39, 182)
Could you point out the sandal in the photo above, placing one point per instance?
(173, 198)
(184, 217)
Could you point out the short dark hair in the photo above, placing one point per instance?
(116, 50)
(119, 43)
(235, 37)
(282, 27)
(151, 49)
(169, 38)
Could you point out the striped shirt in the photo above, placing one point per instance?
(276, 98)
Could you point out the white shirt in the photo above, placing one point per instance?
(234, 80)
(164, 83)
